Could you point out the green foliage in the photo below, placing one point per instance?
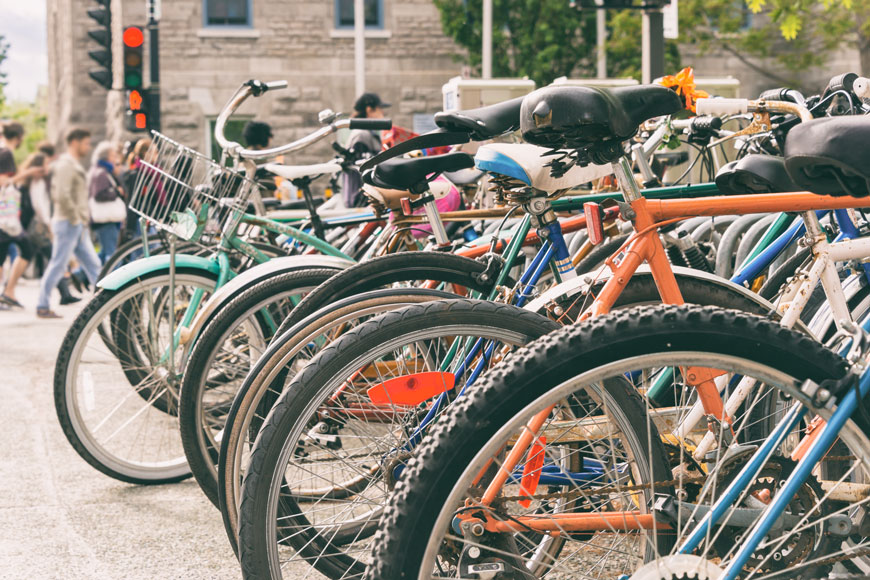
(541, 39)
(33, 121)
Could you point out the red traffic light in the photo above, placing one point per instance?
(135, 101)
(133, 37)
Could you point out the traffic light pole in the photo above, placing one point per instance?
(154, 68)
(653, 53)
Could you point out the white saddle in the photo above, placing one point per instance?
(292, 172)
(527, 163)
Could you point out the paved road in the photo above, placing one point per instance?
(59, 518)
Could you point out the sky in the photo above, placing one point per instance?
(22, 23)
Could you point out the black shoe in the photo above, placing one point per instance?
(80, 281)
(66, 297)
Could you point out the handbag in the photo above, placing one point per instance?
(105, 212)
(10, 211)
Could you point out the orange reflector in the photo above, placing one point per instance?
(412, 389)
(406, 205)
(532, 471)
(594, 223)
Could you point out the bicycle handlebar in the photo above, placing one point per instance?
(371, 124)
(720, 107)
(257, 88)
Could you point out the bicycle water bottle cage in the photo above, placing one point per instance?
(830, 156)
(595, 121)
(755, 174)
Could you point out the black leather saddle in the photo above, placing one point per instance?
(464, 176)
(590, 118)
(830, 156)
(755, 174)
(483, 123)
(412, 174)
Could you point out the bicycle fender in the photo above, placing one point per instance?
(251, 276)
(136, 269)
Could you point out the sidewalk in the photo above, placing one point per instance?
(60, 518)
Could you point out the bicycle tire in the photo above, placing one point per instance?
(452, 317)
(66, 405)
(538, 368)
(198, 448)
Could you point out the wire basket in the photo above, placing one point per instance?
(187, 194)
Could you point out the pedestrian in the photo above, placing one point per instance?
(70, 217)
(11, 229)
(363, 144)
(106, 199)
(258, 136)
(132, 170)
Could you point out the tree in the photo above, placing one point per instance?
(541, 39)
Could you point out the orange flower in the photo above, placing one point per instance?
(684, 84)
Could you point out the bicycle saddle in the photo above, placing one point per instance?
(464, 176)
(592, 119)
(483, 123)
(755, 174)
(530, 165)
(830, 156)
(392, 198)
(412, 174)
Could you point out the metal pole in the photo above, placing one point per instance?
(154, 72)
(601, 38)
(486, 54)
(359, 45)
(653, 55)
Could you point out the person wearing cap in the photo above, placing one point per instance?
(362, 143)
(258, 135)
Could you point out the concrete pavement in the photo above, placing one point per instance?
(60, 518)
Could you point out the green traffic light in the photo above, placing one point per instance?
(132, 80)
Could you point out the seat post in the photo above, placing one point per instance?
(625, 177)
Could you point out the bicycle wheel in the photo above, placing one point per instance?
(420, 536)
(221, 357)
(403, 268)
(332, 447)
(285, 356)
(110, 422)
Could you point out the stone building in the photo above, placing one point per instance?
(209, 47)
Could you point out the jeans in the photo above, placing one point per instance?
(108, 235)
(69, 239)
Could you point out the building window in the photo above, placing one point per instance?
(374, 11)
(232, 131)
(227, 12)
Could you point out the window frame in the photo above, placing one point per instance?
(250, 13)
(337, 22)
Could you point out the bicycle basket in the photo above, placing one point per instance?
(187, 194)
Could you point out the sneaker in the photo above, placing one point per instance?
(46, 313)
(69, 299)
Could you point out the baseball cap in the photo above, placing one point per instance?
(366, 100)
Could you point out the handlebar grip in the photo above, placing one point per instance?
(371, 124)
(720, 106)
(861, 87)
(774, 95)
(275, 85)
(705, 123)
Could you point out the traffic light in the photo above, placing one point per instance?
(133, 39)
(103, 37)
(138, 118)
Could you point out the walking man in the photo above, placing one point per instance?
(69, 224)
